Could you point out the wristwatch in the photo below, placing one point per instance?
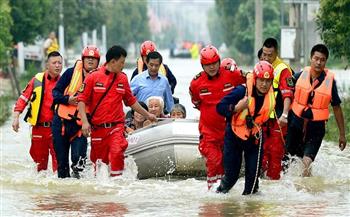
(285, 116)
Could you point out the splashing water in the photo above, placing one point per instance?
(24, 192)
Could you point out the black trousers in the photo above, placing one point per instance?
(62, 144)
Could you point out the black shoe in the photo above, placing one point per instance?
(221, 189)
(224, 187)
(75, 174)
(256, 190)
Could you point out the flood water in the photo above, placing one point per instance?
(24, 192)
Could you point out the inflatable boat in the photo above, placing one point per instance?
(169, 148)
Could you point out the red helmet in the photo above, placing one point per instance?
(263, 69)
(209, 55)
(91, 51)
(146, 47)
(229, 63)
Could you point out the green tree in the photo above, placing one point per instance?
(237, 18)
(227, 10)
(333, 21)
(31, 19)
(44, 17)
(127, 22)
(80, 16)
(215, 29)
(5, 35)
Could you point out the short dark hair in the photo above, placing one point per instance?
(53, 54)
(115, 52)
(259, 53)
(142, 104)
(320, 48)
(154, 55)
(271, 42)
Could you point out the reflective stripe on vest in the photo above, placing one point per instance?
(278, 66)
(69, 111)
(238, 123)
(36, 99)
(162, 69)
(322, 95)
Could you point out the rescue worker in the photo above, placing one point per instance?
(66, 126)
(105, 91)
(207, 89)
(275, 129)
(152, 83)
(315, 89)
(38, 93)
(246, 108)
(145, 48)
(228, 63)
(51, 44)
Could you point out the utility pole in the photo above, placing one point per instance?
(258, 26)
(61, 33)
(294, 21)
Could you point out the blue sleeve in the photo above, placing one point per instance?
(62, 83)
(226, 105)
(335, 96)
(134, 84)
(136, 72)
(171, 78)
(169, 101)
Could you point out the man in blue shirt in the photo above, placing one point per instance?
(151, 83)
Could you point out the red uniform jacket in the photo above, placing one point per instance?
(111, 107)
(285, 89)
(46, 113)
(206, 92)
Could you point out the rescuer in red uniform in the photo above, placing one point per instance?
(104, 91)
(207, 89)
(38, 93)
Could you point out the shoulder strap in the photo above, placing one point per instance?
(99, 102)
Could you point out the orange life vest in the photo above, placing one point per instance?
(162, 69)
(71, 111)
(322, 95)
(238, 123)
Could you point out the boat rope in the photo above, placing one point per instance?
(258, 161)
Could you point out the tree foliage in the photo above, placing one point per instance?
(5, 35)
(36, 18)
(238, 23)
(333, 21)
(127, 22)
(215, 30)
(29, 18)
(80, 16)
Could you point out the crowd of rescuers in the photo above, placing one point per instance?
(239, 112)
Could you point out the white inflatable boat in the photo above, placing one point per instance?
(168, 148)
